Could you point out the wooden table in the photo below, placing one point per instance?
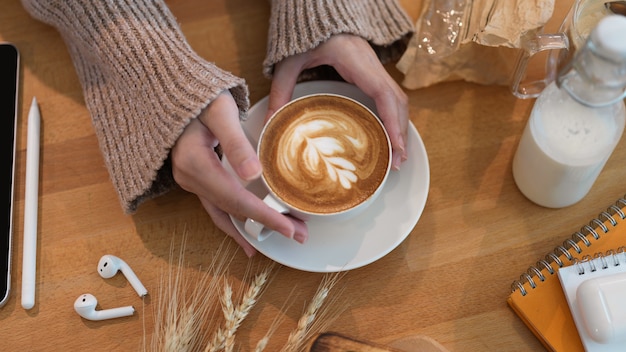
(448, 280)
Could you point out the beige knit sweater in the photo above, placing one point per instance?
(143, 83)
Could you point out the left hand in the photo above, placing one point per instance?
(355, 60)
(199, 170)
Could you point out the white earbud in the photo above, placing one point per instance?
(109, 265)
(85, 306)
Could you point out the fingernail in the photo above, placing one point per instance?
(300, 238)
(289, 233)
(401, 143)
(396, 161)
(250, 169)
(249, 252)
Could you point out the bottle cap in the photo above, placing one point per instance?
(609, 37)
(596, 77)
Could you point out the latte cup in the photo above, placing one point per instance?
(324, 157)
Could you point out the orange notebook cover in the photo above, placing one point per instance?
(537, 297)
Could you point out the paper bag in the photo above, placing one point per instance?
(473, 40)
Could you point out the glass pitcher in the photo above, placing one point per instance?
(572, 34)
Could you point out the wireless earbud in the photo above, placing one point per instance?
(86, 304)
(109, 265)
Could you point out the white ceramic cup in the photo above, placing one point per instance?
(305, 135)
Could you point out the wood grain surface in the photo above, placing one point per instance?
(448, 280)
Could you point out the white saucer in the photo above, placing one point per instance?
(363, 239)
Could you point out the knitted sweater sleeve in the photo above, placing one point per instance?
(297, 26)
(142, 84)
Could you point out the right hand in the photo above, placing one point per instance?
(357, 63)
(198, 169)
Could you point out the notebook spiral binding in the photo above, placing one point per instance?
(599, 261)
(584, 237)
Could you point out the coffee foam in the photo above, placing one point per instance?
(324, 154)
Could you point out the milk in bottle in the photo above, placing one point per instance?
(576, 122)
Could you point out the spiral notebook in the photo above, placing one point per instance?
(537, 297)
(595, 287)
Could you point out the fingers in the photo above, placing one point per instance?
(393, 111)
(221, 118)
(206, 177)
(284, 81)
(198, 169)
(234, 199)
(226, 193)
(227, 129)
(355, 60)
(222, 221)
(228, 196)
(301, 232)
(367, 73)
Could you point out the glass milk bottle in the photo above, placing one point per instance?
(576, 122)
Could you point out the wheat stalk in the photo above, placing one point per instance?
(297, 337)
(262, 343)
(247, 303)
(188, 306)
(224, 338)
(219, 339)
(307, 323)
(186, 302)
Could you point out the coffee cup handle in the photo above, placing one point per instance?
(530, 47)
(257, 229)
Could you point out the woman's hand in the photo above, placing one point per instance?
(355, 60)
(198, 169)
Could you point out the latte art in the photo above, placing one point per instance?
(324, 155)
(323, 146)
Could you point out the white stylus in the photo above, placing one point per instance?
(31, 203)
